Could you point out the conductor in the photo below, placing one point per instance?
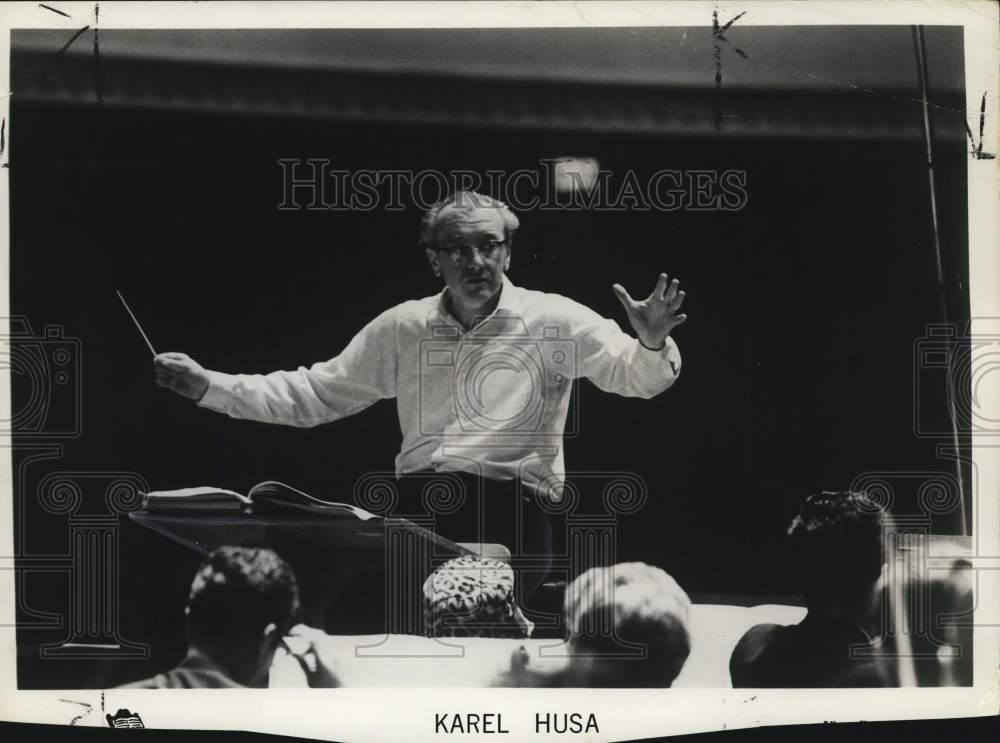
(481, 373)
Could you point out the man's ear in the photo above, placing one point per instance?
(506, 263)
(271, 635)
(433, 259)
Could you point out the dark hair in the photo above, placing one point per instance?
(836, 546)
(236, 593)
(465, 201)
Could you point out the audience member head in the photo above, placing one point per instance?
(473, 597)
(613, 612)
(836, 549)
(241, 604)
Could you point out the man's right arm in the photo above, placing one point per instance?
(364, 372)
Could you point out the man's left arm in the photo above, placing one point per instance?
(617, 362)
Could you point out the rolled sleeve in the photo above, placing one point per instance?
(219, 395)
(657, 370)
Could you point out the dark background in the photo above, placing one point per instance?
(804, 307)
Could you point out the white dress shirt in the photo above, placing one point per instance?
(492, 400)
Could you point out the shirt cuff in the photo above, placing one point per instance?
(651, 348)
(669, 354)
(219, 392)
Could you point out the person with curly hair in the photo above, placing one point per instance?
(835, 546)
(241, 605)
(472, 596)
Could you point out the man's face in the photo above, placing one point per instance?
(472, 255)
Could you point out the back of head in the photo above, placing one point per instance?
(613, 612)
(473, 597)
(836, 547)
(236, 593)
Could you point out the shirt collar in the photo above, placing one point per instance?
(508, 305)
(508, 298)
(195, 659)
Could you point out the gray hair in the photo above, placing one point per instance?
(465, 201)
(633, 603)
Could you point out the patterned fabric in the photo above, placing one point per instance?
(472, 597)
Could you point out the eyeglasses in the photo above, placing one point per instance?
(460, 253)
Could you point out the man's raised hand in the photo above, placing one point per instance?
(182, 374)
(654, 317)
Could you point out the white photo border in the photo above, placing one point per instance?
(407, 713)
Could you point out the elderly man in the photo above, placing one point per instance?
(481, 373)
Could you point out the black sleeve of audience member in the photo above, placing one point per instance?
(743, 661)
